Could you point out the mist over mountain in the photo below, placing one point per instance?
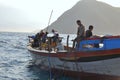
(12, 19)
(104, 18)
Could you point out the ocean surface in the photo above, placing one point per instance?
(15, 60)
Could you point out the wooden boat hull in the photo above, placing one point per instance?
(100, 62)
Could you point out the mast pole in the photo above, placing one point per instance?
(49, 20)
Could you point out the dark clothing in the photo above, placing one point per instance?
(36, 40)
(41, 34)
(44, 37)
(88, 33)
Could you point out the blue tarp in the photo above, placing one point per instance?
(98, 44)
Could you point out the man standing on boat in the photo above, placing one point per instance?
(55, 38)
(80, 33)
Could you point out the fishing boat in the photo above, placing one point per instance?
(97, 55)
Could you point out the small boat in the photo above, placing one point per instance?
(98, 55)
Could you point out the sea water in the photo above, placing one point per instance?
(15, 60)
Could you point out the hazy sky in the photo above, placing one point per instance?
(39, 10)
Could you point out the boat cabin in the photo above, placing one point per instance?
(101, 43)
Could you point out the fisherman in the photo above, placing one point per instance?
(80, 33)
(36, 40)
(44, 37)
(54, 32)
(44, 41)
(41, 34)
(55, 38)
(89, 32)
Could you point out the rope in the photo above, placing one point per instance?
(50, 72)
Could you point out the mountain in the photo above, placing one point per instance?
(104, 18)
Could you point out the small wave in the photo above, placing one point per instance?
(5, 65)
(9, 78)
(15, 62)
(19, 47)
(3, 42)
(3, 77)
